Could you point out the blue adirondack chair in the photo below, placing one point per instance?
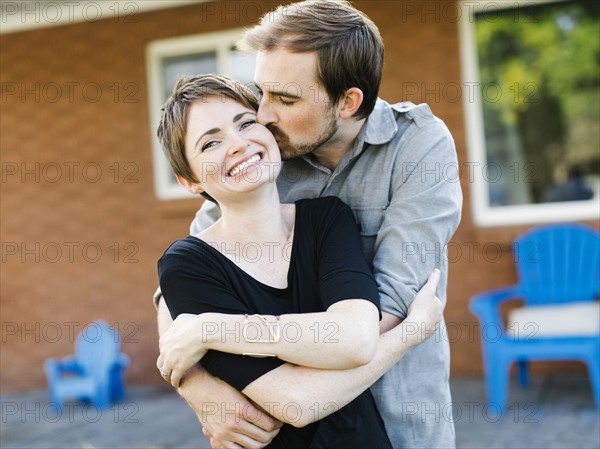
(94, 373)
(558, 268)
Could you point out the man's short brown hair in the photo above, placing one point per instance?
(348, 45)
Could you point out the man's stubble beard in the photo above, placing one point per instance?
(290, 151)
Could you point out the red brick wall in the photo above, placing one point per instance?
(95, 130)
(81, 227)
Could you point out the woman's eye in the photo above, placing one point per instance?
(247, 123)
(208, 145)
(286, 101)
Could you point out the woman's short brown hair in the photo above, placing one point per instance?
(348, 45)
(173, 123)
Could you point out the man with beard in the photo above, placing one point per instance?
(318, 72)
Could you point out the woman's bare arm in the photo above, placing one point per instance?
(344, 336)
(299, 395)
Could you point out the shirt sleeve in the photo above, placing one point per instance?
(342, 268)
(208, 213)
(191, 283)
(423, 213)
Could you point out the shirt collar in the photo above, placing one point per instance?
(379, 128)
(381, 124)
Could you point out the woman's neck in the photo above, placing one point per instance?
(257, 217)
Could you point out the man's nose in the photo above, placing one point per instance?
(265, 114)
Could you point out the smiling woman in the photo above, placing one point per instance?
(224, 141)
(263, 321)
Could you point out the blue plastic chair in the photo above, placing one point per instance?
(556, 264)
(94, 373)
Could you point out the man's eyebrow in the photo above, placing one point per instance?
(281, 93)
(278, 93)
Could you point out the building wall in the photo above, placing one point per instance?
(81, 227)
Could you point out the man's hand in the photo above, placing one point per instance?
(425, 312)
(228, 417)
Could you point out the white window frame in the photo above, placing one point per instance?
(484, 214)
(156, 51)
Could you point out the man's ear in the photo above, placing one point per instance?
(191, 187)
(350, 102)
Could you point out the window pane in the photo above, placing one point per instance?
(242, 67)
(194, 64)
(540, 84)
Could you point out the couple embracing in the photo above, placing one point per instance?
(327, 233)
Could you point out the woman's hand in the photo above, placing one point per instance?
(181, 347)
(425, 312)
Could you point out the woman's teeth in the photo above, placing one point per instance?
(238, 168)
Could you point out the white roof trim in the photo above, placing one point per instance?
(17, 16)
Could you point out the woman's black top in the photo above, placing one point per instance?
(326, 266)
